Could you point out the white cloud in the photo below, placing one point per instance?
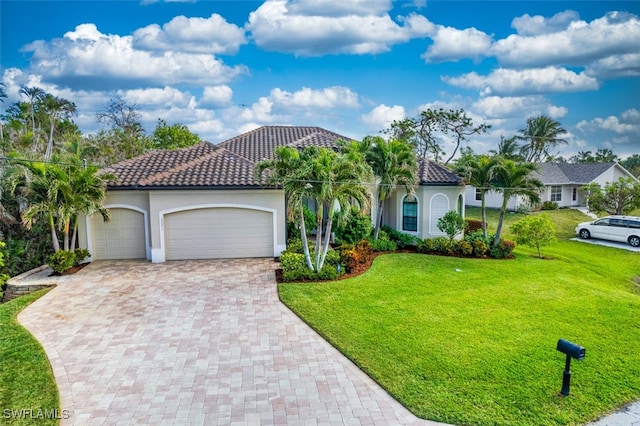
(627, 124)
(382, 116)
(195, 35)
(167, 96)
(515, 107)
(216, 96)
(89, 59)
(451, 44)
(327, 98)
(578, 44)
(620, 134)
(615, 66)
(305, 28)
(504, 81)
(535, 25)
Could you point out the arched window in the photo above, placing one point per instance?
(409, 214)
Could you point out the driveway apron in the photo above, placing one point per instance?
(195, 342)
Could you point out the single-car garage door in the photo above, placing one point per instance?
(217, 233)
(121, 238)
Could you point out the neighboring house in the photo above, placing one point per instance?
(562, 184)
(202, 202)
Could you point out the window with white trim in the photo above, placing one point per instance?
(556, 193)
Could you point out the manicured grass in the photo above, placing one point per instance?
(26, 379)
(472, 341)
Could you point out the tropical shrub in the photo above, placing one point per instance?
(81, 254)
(354, 228)
(465, 248)
(294, 245)
(3, 277)
(294, 267)
(549, 205)
(61, 260)
(444, 246)
(353, 255)
(426, 246)
(451, 224)
(402, 239)
(503, 250)
(480, 244)
(472, 225)
(383, 243)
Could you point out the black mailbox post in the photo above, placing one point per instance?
(572, 350)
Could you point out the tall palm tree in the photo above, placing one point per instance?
(290, 171)
(507, 148)
(34, 95)
(478, 171)
(541, 135)
(56, 108)
(394, 165)
(515, 178)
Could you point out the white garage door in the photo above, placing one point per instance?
(217, 233)
(121, 238)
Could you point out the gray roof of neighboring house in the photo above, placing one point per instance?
(567, 173)
(230, 164)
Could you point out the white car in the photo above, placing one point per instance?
(625, 229)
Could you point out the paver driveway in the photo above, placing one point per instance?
(195, 342)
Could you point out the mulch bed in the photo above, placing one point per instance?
(69, 271)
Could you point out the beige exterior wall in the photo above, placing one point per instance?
(155, 204)
(429, 198)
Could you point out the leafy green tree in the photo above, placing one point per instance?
(452, 224)
(429, 131)
(541, 135)
(620, 197)
(515, 178)
(394, 165)
(478, 171)
(632, 164)
(172, 137)
(534, 231)
(3, 96)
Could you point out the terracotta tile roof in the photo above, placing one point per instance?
(432, 173)
(230, 163)
(259, 144)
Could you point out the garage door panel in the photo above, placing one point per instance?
(216, 233)
(123, 237)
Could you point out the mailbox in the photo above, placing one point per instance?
(571, 349)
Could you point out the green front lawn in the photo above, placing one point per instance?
(28, 391)
(472, 341)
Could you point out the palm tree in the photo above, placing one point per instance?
(514, 178)
(393, 164)
(55, 108)
(507, 148)
(541, 135)
(287, 169)
(337, 185)
(478, 171)
(34, 95)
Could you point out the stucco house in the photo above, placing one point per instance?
(203, 202)
(562, 183)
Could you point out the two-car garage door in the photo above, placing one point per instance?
(216, 233)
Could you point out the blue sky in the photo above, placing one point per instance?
(226, 67)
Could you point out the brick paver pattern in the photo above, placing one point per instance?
(196, 342)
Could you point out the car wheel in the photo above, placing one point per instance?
(585, 234)
(634, 241)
